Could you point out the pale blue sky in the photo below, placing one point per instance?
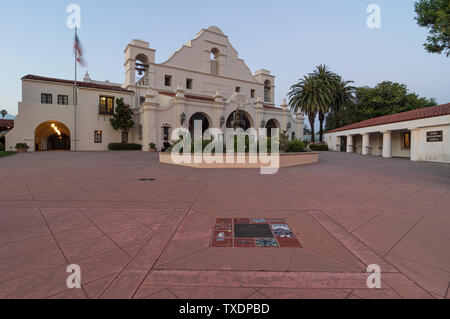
(288, 37)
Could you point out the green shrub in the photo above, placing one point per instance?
(124, 147)
(152, 146)
(2, 139)
(22, 146)
(2, 146)
(296, 146)
(319, 147)
(284, 141)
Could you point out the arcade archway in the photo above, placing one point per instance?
(199, 117)
(52, 136)
(272, 124)
(245, 117)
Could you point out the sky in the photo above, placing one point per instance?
(288, 37)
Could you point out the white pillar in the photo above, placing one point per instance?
(349, 143)
(415, 144)
(365, 144)
(338, 142)
(387, 144)
(146, 130)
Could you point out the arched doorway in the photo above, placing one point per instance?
(52, 136)
(271, 124)
(245, 118)
(199, 117)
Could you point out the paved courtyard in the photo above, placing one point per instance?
(151, 239)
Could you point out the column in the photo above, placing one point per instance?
(338, 144)
(349, 143)
(365, 144)
(415, 144)
(387, 144)
(146, 129)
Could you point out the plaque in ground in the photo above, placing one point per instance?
(252, 231)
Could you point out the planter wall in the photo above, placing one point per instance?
(286, 160)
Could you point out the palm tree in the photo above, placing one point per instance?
(328, 82)
(3, 113)
(306, 96)
(344, 95)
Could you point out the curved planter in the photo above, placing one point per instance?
(242, 161)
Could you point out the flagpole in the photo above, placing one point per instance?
(76, 92)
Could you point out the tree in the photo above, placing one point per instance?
(344, 97)
(3, 113)
(384, 99)
(123, 118)
(327, 93)
(306, 130)
(435, 15)
(306, 96)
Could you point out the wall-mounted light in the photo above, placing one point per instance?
(289, 125)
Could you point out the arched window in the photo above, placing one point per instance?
(142, 67)
(267, 91)
(215, 61)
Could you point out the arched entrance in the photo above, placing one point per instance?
(199, 117)
(245, 117)
(52, 136)
(271, 124)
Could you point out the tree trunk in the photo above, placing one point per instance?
(312, 119)
(321, 119)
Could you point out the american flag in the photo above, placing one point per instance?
(78, 49)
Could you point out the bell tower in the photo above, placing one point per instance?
(139, 61)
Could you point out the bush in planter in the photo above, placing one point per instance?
(296, 146)
(124, 147)
(153, 146)
(319, 147)
(22, 146)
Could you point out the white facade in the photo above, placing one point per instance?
(205, 79)
(422, 139)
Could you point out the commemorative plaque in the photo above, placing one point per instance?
(435, 136)
(252, 231)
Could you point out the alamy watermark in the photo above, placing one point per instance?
(374, 19)
(217, 146)
(374, 279)
(74, 18)
(74, 279)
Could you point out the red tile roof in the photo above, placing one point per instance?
(79, 84)
(423, 113)
(5, 124)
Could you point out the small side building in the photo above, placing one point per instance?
(420, 135)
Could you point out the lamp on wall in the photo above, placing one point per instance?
(263, 124)
(289, 125)
(183, 118)
(222, 121)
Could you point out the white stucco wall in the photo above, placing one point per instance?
(32, 114)
(211, 94)
(434, 151)
(423, 150)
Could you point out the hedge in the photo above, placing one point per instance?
(124, 147)
(319, 147)
(22, 146)
(296, 146)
